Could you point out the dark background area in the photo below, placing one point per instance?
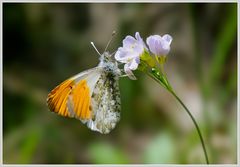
(44, 44)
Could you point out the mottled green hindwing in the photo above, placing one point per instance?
(106, 102)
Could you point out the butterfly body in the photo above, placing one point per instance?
(91, 96)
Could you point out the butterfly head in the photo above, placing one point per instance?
(109, 64)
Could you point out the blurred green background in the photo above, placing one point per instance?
(44, 44)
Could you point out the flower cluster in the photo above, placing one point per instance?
(134, 50)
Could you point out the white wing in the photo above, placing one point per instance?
(105, 103)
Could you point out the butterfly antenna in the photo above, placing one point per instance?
(95, 48)
(113, 53)
(113, 34)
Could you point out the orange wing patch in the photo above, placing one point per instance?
(81, 100)
(57, 98)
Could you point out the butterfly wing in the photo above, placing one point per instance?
(77, 89)
(105, 103)
(91, 96)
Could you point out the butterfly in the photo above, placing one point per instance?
(92, 96)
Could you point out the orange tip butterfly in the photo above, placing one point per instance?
(92, 96)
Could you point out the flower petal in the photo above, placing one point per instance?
(121, 55)
(133, 65)
(137, 36)
(138, 49)
(165, 47)
(129, 72)
(167, 38)
(151, 42)
(159, 45)
(124, 55)
(129, 41)
(140, 40)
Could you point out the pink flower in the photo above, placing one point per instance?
(130, 53)
(158, 45)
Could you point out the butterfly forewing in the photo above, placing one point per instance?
(73, 89)
(57, 98)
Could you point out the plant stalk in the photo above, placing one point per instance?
(195, 123)
(165, 84)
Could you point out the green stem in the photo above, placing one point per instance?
(165, 84)
(195, 123)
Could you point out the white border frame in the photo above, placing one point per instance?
(112, 1)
